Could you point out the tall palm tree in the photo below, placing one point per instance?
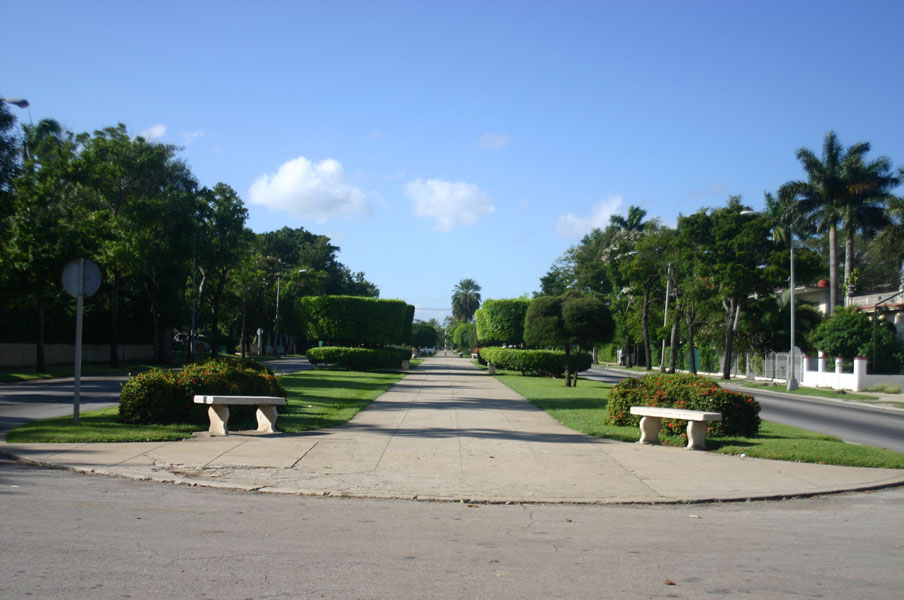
(465, 300)
(890, 241)
(863, 207)
(822, 196)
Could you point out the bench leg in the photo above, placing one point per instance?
(219, 417)
(696, 435)
(266, 418)
(649, 430)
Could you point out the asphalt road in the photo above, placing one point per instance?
(85, 536)
(42, 399)
(854, 423)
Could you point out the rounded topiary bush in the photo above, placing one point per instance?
(359, 359)
(168, 397)
(740, 412)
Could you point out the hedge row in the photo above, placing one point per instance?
(545, 363)
(355, 320)
(168, 396)
(740, 412)
(359, 359)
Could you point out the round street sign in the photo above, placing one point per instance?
(90, 279)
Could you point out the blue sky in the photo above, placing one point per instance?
(437, 141)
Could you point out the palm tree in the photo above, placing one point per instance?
(890, 240)
(632, 222)
(465, 300)
(822, 196)
(863, 207)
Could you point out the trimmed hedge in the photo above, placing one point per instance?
(164, 397)
(544, 363)
(740, 412)
(501, 321)
(359, 359)
(353, 320)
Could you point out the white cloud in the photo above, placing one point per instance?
(312, 190)
(572, 227)
(152, 134)
(451, 203)
(190, 136)
(494, 141)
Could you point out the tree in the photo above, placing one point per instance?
(646, 271)
(220, 245)
(863, 207)
(45, 229)
(423, 335)
(464, 336)
(890, 241)
(848, 333)
(146, 209)
(632, 222)
(821, 198)
(10, 159)
(570, 319)
(465, 300)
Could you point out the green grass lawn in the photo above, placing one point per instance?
(583, 408)
(315, 399)
(810, 391)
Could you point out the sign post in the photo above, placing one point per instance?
(81, 278)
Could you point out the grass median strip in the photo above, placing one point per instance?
(583, 408)
(315, 400)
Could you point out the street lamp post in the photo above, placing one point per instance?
(792, 381)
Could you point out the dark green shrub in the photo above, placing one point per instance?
(353, 320)
(359, 359)
(157, 397)
(544, 363)
(168, 397)
(740, 412)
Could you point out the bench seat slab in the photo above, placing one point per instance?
(651, 424)
(218, 411)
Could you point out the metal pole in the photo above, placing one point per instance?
(276, 341)
(79, 308)
(792, 382)
(191, 335)
(665, 314)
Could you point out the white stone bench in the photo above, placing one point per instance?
(651, 423)
(219, 411)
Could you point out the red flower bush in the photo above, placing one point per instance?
(162, 397)
(740, 412)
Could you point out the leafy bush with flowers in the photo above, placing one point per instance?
(168, 397)
(740, 412)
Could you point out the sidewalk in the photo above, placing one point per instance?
(448, 431)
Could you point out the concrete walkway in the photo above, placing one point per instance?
(448, 431)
